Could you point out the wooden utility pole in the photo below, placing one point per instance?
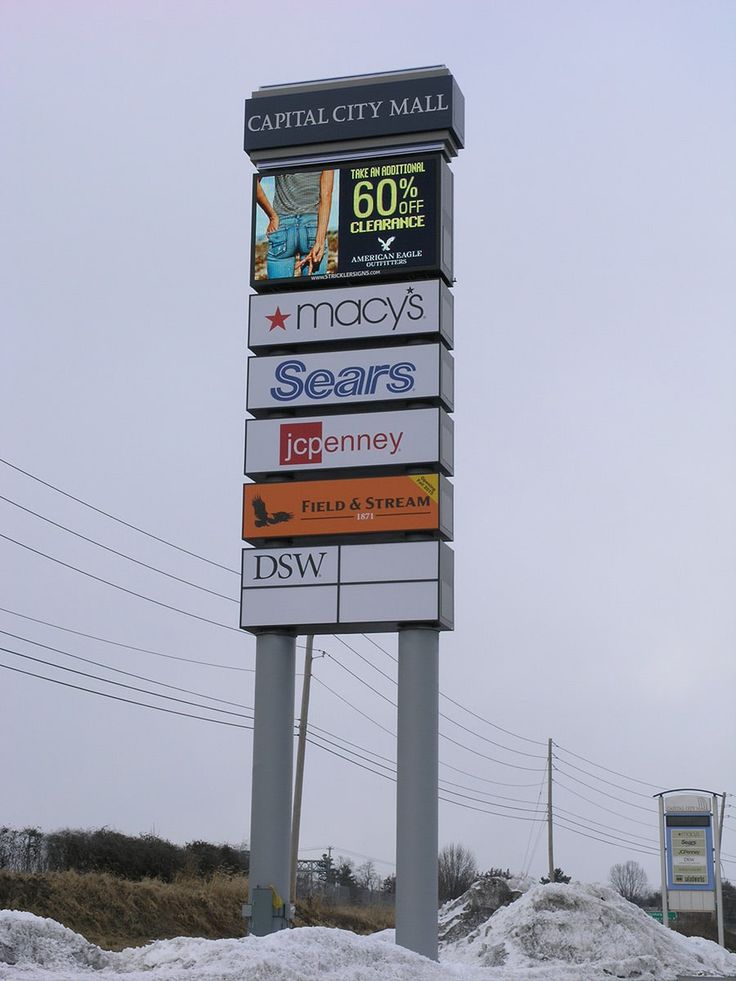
(299, 776)
(550, 835)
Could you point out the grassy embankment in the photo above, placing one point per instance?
(116, 913)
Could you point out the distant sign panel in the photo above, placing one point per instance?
(378, 311)
(365, 440)
(344, 588)
(376, 108)
(689, 852)
(370, 218)
(365, 505)
(346, 378)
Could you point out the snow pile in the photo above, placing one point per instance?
(46, 951)
(460, 917)
(29, 939)
(552, 933)
(581, 931)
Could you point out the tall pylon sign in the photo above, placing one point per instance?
(350, 442)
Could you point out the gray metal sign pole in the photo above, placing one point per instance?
(663, 862)
(717, 870)
(416, 791)
(273, 752)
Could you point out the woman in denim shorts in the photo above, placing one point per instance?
(297, 223)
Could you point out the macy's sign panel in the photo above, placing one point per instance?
(422, 371)
(389, 310)
(344, 588)
(372, 439)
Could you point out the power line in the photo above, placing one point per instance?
(353, 707)
(602, 792)
(130, 674)
(582, 834)
(600, 766)
(610, 827)
(120, 684)
(633, 793)
(508, 732)
(120, 521)
(626, 817)
(131, 647)
(124, 589)
(129, 701)
(114, 551)
(315, 739)
(441, 714)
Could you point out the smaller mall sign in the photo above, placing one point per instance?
(383, 311)
(410, 437)
(365, 505)
(347, 378)
(347, 588)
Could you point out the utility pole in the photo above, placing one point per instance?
(299, 777)
(550, 835)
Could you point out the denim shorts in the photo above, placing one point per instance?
(294, 236)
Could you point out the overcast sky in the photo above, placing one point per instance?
(595, 417)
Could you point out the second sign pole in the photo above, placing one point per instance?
(416, 791)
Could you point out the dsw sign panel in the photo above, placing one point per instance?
(347, 587)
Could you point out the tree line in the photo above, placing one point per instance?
(105, 850)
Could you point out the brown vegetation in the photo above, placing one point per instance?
(115, 913)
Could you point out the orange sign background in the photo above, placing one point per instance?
(341, 507)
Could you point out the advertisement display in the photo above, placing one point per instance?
(351, 378)
(369, 218)
(347, 588)
(362, 506)
(410, 437)
(381, 311)
(425, 101)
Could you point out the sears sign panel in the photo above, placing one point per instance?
(343, 588)
(339, 442)
(390, 374)
(390, 310)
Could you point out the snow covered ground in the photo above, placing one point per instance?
(557, 933)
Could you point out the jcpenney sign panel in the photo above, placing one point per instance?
(422, 371)
(391, 310)
(347, 587)
(372, 439)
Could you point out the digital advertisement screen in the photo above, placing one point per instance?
(364, 219)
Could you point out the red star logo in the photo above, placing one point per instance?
(278, 319)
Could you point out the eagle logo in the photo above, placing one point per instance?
(263, 518)
(386, 242)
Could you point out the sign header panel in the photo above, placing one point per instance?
(370, 218)
(350, 378)
(347, 588)
(377, 311)
(410, 437)
(365, 505)
(374, 109)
